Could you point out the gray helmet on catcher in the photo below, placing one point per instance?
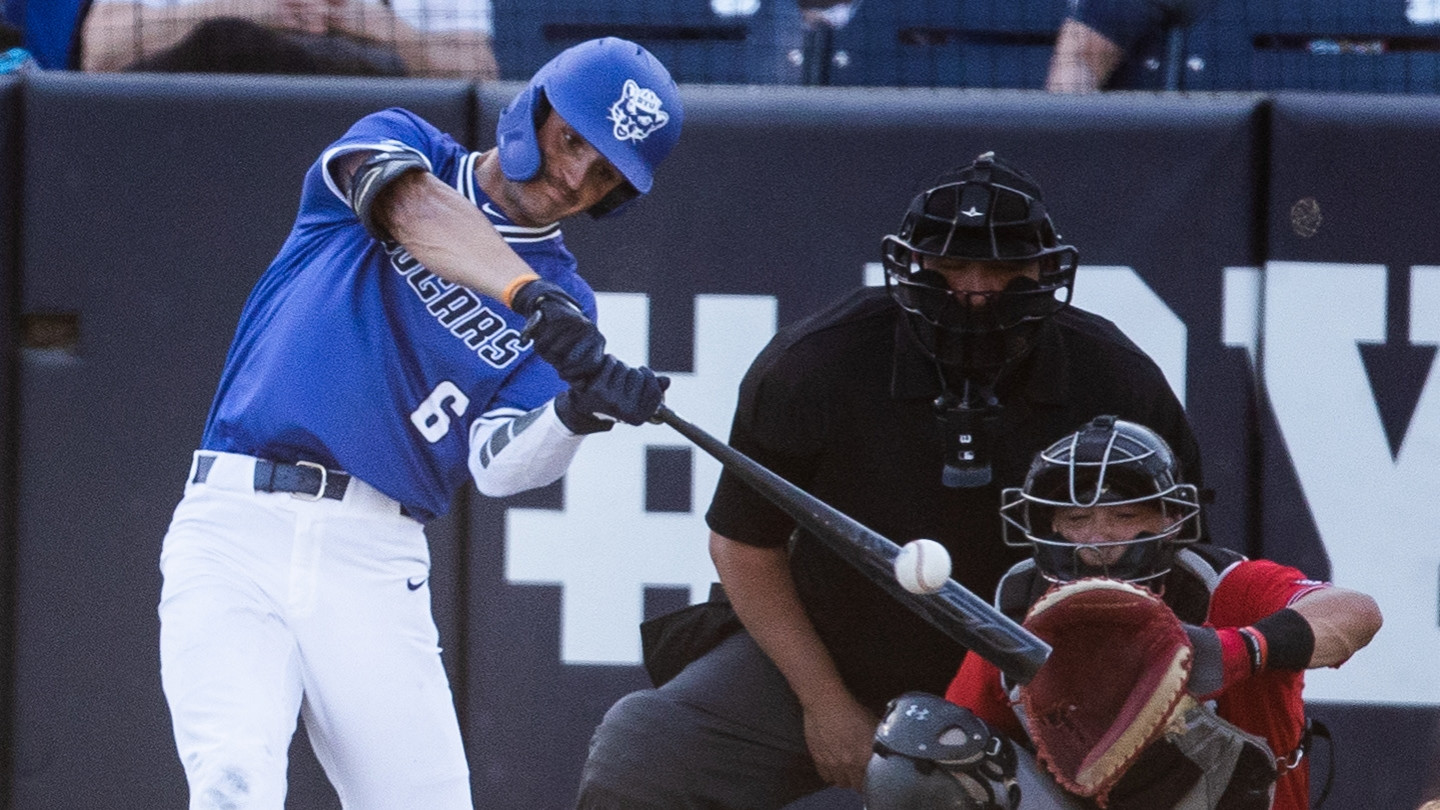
(1109, 462)
(933, 754)
(988, 211)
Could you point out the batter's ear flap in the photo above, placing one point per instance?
(515, 135)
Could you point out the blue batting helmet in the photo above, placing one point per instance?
(613, 92)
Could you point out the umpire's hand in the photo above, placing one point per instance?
(840, 734)
(615, 392)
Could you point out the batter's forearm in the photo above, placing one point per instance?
(450, 236)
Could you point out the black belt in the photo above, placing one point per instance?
(301, 479)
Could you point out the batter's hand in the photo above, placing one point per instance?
(616, 392)
(841, 736)
(563, 336)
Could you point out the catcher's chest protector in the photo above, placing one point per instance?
(1201, 761)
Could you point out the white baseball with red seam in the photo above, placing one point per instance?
(922, 566)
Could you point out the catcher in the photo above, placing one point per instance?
(1177, 670)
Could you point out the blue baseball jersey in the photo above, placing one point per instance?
(351, 354)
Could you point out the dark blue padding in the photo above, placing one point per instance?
(1369, 160)
(152, 205)
(1334, 147)
(9, 382)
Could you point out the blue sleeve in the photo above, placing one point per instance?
(391, 129)
(533, 384)
(395, 125)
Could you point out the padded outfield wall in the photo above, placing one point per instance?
(1274, 254)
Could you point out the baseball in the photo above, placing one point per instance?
(922, 566)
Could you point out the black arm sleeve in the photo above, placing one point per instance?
(373, 176)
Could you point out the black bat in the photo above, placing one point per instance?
(953, 610)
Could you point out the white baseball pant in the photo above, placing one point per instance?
(274, 606)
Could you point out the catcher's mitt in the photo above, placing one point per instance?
(1112, 684)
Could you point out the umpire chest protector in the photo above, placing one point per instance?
(1202, 762)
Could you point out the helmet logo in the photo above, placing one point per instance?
(637, 113)
(972, 211)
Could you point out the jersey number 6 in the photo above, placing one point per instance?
(431, 419)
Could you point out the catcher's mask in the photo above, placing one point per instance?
(1108, 463)
(932, 753)
(988, 212)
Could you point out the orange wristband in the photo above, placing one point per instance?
(508, 296)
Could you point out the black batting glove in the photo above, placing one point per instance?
(562, 335)
(616, 393)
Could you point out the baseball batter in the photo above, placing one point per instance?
(1099, 37)
(377, 365)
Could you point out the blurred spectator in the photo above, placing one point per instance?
(820, 20)
(827, 13)
(440, 38)
(16, 60)
(48, 28)
(13, 57)
(10, 35)
(1097, 36)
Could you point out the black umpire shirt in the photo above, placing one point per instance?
(840, 403)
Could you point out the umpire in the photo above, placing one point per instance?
(909, 409)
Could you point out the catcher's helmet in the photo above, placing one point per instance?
(934, 754)
(988, 211)
(1107, 463)
(619, 98)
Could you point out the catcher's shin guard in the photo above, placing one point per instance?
(932, 753)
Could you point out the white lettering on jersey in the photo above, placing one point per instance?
(431, 418)
(460, 311)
